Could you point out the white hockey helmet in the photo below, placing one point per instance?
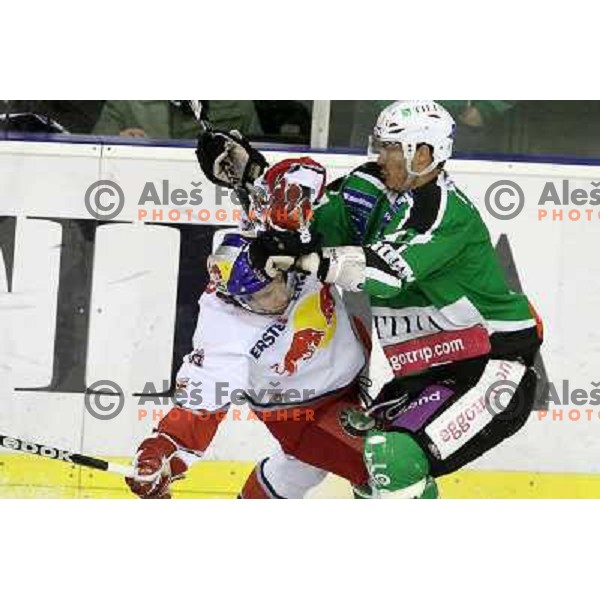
(409, 123)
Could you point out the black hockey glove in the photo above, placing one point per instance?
(228, 159)
(274, 251)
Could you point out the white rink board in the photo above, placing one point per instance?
(134, 288)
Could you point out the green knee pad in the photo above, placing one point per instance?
(396, 462)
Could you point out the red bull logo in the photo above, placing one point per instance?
(314, 324)
(218, 272)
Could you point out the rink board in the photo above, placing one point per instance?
(130, 315)
(24, 476)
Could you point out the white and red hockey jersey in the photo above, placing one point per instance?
(271, 362)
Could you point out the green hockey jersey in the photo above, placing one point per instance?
(430, 263)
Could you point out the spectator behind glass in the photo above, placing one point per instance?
(174, 119)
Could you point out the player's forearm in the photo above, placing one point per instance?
(191, 430)
(378, 269)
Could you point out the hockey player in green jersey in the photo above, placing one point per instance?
(445, 317)
(453, 332)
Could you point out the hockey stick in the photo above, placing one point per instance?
(13, 443)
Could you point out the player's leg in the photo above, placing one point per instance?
(315, 435)
(403, 462)
(403, 408)
(398, 466)
(503, 425)
(329, 445)
(281, 476)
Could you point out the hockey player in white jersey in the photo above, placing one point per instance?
(281, 342)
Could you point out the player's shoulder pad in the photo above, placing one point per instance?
(364, 185)
(360, 191)
(368, 173)
(436, 203)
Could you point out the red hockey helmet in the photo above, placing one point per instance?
(286, 194)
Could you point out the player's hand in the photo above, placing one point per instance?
(228, 159)
(274, 251)
(155, 467)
